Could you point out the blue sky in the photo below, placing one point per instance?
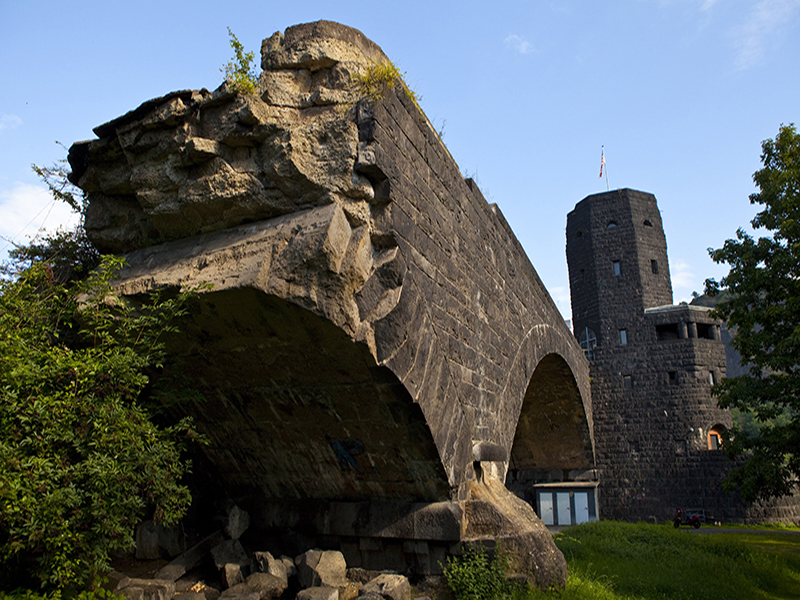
(680, 92)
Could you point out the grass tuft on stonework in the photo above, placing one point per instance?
(381, 77)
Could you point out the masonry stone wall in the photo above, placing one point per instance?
(467, 297)
(655, 427)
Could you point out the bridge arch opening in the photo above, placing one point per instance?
(296, 410)
(551, 458)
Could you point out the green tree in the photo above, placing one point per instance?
(81, 460)
(69, 253)
(763, 310)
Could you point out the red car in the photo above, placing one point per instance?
(687, 518)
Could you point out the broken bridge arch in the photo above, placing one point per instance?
(294, 408)
(374, 239)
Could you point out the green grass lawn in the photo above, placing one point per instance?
(616, 561)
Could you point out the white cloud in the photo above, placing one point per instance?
(763, 23)
(9, 122)
(684, 281)
(26, 210)
(518, 44)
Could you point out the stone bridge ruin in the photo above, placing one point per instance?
(377, 354)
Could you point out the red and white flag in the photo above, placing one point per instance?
(602, 161)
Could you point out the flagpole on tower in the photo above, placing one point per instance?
(603, 166)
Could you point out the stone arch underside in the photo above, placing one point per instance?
(552, 433)
(293, 408)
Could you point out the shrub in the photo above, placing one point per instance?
(239, 72)
(476, 576)
(81, 463)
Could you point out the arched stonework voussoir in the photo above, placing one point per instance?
(549, 426)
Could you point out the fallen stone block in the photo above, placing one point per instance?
(189, 596)
(239, 592)
(229, 552)
(145, 589)
(291, 568)
(318, 593)
(267, 585)
(322, 568)
(189, 559)
(264, 562)
(231, 574)
(388, 586)
(350, 591)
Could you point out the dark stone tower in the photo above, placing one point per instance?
(652, 365)
(617, 256)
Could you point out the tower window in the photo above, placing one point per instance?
(616, 266)
(627, 382)
(623, 337)
(705, 331)
(715, 437)
(579, 234)
(654, 267)
(673, 377)
(647, 223)
(667, 331)
(611, 225)
(588, 342)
